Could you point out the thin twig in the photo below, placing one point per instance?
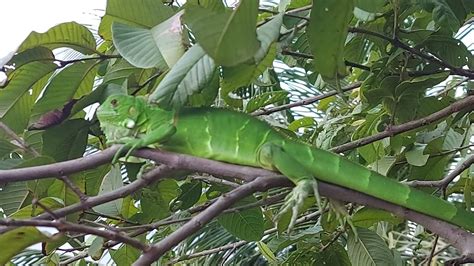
(21, 142)
(238, 244)
(64, 226)
(433, 249)
(446, 180)
(68, 182)
(466, 104)
(198, 221)
(306, 101)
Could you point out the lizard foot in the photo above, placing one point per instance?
(295, 200)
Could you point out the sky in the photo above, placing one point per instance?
(24, 16)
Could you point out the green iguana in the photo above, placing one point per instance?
(238, 138)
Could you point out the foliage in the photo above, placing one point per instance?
(255, 57)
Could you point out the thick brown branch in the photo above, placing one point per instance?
(64, 226)
(58, 169)
(466, 104)
(200, 220)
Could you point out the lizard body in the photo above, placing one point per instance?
(238, 138)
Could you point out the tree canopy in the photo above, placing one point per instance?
(386, 84)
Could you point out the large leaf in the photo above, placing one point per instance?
(241, 75)
(70, 136)
(21, 81)
(29, 211)
(125, 255)
(442, 13)
(160, 46)
(229, 37)
(450, 50)
(16, 240)
(368, 249)
(155, 201)
(39, 53)
(111, 182)
(141, 13)
(327, 31)
(191, 74)
(190, 194)
(69, 34)
(246, 224)
(14, 194)
(73, 82)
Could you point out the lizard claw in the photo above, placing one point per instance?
(295, 200)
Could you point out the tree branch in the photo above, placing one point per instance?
(466, 104)
(428, 57)
(198, 221)
(306, 101)
(443, 183)
(58, 169)
(22, 144)
(64, 226)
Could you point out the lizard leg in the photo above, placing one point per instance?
(274, 156)
(158, 135)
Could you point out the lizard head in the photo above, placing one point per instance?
(119, 115)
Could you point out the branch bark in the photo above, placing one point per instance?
(466, 104)
(64, 226)
(200, 220)
(306, 101)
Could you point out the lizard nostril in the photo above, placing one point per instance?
(114, 102)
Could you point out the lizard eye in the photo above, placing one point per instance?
(114, 102)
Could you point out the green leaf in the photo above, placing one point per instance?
(6, 147)
(246, 224)
(29, 211)
(283, 241)
(190, 194)
(125, 255)
(73, 82)
(96, 249)
(12, 196)
(160, 46)
(335, 254)
(155, 201)
(265, 99)
(112, 181)
(21, 81)
(267, 253)
(327, 31)
(39, 53)
(120, 71)
(71, 136)
(432, 170)
(366, 217)
(191, 74)
(229, 37)
(372, 6)
(416, 157)
(302, 122)
(60, 190)
(443, 15)
(368, 249)
(140, 13)
(69, 34)
(383, 165)
(241, 75)
(16, 240)
(449, 49)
